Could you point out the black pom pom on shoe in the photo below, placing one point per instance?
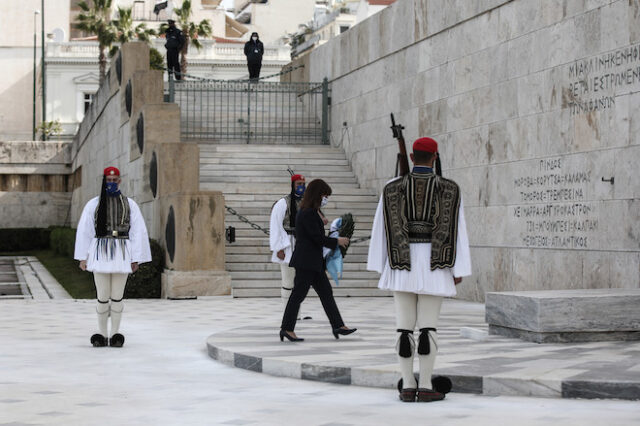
(441, 384)
(98, 340)
(116, 341)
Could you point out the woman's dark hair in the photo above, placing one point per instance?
(314, 193)
(101, 219)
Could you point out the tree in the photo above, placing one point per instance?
(126, 32)
(96, 20)
(191, 31)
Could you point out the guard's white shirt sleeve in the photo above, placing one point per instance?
(462, 267)
(278, 237)
(138, 236)
(86, 230)
(377, 258)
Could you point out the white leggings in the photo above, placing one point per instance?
(421, 310)
(288, 277)
(110, 291)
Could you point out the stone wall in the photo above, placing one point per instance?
(536, 109)
(35, 184)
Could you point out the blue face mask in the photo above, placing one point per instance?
(112, 188)
(300, 190)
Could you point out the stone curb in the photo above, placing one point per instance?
(462, 383)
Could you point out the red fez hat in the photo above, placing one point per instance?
(111, 171)
(296, 177)
(426, 145)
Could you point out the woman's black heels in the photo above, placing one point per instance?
(284, 334)
(344, 331)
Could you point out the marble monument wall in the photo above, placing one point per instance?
(535, 105)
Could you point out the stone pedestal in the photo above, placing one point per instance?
(186, 284)
(192, 226)
(554, 316)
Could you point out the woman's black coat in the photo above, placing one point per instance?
(310, 238)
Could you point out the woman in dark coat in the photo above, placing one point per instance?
(309, 264)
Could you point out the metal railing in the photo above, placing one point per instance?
(252, 111)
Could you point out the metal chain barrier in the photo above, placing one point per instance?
(247, 221)
(283, 72)
(266, 231)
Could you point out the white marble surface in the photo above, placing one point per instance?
(163, 376)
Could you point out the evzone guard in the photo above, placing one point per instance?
(420, 247)
(282, 240)
(111, 241)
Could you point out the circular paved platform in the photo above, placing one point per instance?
(476, 363)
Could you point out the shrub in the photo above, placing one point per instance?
(62, 241)
(23, 239)
(145, 283)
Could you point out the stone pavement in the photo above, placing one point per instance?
(49, 374)
(491, 365)
(25, 277)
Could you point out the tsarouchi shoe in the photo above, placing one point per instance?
(429, 395)
(116, 341)
(408, 394)
(98, 340)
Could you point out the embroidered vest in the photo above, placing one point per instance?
(421, 208)
(118, 217)
(286, 222)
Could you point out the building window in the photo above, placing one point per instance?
(88, 99)
(343, 28)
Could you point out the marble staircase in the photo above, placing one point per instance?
(253, 177)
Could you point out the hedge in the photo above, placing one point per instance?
(145, 283)
(62, 241)
(24, 239)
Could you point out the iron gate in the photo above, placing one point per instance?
(252, 112)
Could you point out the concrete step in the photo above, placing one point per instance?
(337, 292)
(265, 180)
(334, 210)
(262, 156)
(243, 231)
(257, 267)
(344, 283)
(361, 222)
(265, 250)
(274, 275)
(283, 148)
(212, 170)
(276, 191)
(361, 196)
(257, 258)
(280, 162)
(252, 207)
(281, 170)
(275, 188)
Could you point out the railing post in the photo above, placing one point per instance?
(325, 111)
(172, 91)
(248, 111)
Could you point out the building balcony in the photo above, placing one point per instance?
(210, 51)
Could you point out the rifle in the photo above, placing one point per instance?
(402, 163)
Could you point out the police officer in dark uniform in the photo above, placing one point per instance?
(253, 50)
(174, 44)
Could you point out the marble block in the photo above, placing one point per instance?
(581, 315)
(189, 284)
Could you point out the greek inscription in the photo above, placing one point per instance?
(554, 213)
(593, 81)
